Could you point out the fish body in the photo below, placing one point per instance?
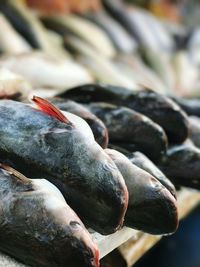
(121, 39)
(10, 40)
(38, 228)
(140, 160)
(190, 106)
(40, 145)
(152, 208)
(195, 130)
(157, 107)
(97, 126)
(46, 71)
(181, 165)
(125, 126)
(13, 86)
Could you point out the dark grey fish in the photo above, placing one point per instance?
(190, 106)
(158, 107)
(44, 143)
(126, 127)
(140, 160)
(152, 208)
(182, 165)
(38, 228)
(97, 126)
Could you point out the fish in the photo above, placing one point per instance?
(42, 141)
(152, 208)
(97, 126)
(126, 127)
(30, 27)
(157, 107)
(13, 86)
(194, 122)
(38, 227)
(181, 165)
(140, 160)
(46, 71)
(10, 40)
(190, 105)
(82, 28)
(136, 21)
(123, 42)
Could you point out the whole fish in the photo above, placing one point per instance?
(45, 143)
(190, 106)
(97, 126)
(195, 130)
(182, 165)
(158, 107)
(13, 86)
(152, 208)
(129, 127)
(46, 71)
(38, 228)
(140, 160)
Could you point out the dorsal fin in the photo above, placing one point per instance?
(15, 173)
(48, 108)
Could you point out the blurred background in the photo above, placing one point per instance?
(133, 43)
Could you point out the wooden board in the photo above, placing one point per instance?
(132, 244)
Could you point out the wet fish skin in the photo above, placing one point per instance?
(152, 208)
(157, 107)
(129, 127)
(38, 228)
(98, 127)
(140, 160)
(181, 165)
(41, 146)
(190, 106)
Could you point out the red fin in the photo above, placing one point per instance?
(48, 108)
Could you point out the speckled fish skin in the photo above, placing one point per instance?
(182, 165)
(140, 160)
(39, 145)
(152, 208)
(158, 107)
(38, 228)
(97, 126)
(127, 126)
(190, 106)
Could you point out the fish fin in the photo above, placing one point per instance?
(48, 108)
(15, 173)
